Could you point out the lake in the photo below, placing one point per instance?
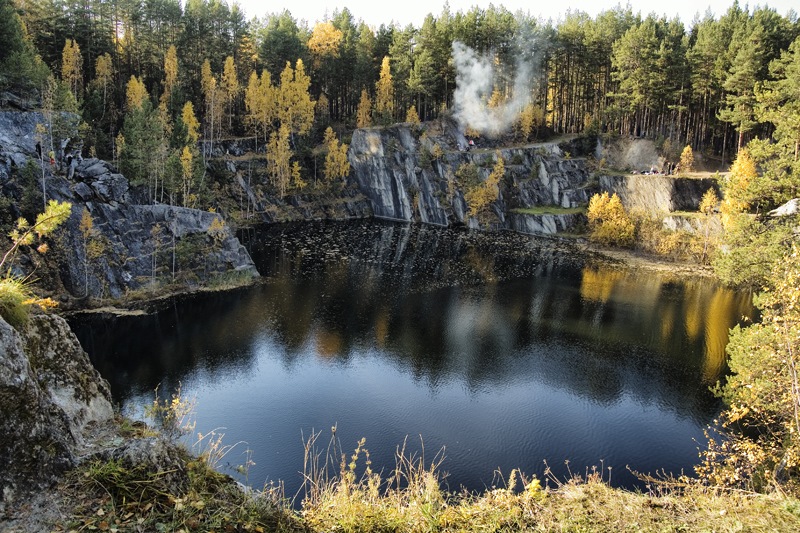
(495, 351)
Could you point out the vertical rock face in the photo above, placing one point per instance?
(395, 169)
(50, 400)
(387, 169)
(658, 193)
(543, 224)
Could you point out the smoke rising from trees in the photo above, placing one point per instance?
(477, 77)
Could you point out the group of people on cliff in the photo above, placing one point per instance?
(68, 157)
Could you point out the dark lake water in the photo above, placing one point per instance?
(504, 350)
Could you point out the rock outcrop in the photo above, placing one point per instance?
(133, 242)
(51, 399)
(410, 175)
(396, 169)
(240, 166)
(139, 238)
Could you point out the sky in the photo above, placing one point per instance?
(377, 12)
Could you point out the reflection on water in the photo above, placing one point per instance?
(505, 349)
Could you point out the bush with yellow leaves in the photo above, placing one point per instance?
(609, 223)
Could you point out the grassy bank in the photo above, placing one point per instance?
(115, 499)
(341, 493)
(549, 210)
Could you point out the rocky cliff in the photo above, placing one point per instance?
(658, 193)
(411, 173)
(51, 401)
(240, 167)
(132, 242)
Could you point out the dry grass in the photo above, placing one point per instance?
(411, 500)
(578, 505)
(109, 497)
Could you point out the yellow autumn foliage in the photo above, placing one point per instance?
(609, 223)
(479, 197)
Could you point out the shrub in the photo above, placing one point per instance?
(467, 175)
(479, 197)
(15, 293)
(609, 223)
(687, 159)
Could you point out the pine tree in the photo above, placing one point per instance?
(740, 87)
(20, 64)
(779, 104)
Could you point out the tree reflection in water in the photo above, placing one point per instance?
(505, 348)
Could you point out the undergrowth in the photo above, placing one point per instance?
(113, 497)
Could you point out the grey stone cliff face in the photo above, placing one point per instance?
(134, 239)
(391, 168)
(51, 399)
(658, 193)
(139, 237)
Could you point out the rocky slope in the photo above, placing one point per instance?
(240, 167)
(133, 242)
(56, 414)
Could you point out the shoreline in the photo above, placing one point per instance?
(139, 304)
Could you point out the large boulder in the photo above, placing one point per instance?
(51, 401)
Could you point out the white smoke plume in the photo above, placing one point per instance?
(476, 78)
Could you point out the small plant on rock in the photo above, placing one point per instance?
(16, 295)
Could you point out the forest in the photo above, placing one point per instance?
(620, 72)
